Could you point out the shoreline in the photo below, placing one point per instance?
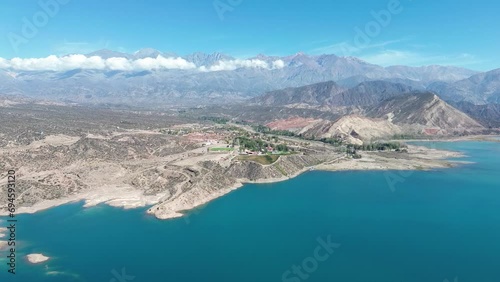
(484, 138)
(420, 158)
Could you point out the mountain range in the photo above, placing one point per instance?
(340, 85)
(482, 88)
(331, 94)
(218, 77)
(396, 107)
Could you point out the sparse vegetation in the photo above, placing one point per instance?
(281, 170)
(387, 146)
(266, 130)
(404, 137)
(263, 160)
(331, 141)
(221, 149)
(356, 156)
(258, 145)
(218, 120)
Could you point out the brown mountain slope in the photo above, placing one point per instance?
(425, 109)
(408, 114)
(353, 129)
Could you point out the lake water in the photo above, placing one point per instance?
(382, 226)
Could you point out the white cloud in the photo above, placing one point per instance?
(120, 64)
(54, 63)
(70, 62)
(279, 64)
(238, 63)
(162, 63)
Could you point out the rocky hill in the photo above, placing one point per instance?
(353, 129)
(425, 109)
(375, 109)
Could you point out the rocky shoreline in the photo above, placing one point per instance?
(209, 180)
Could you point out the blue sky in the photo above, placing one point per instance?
(411, 32)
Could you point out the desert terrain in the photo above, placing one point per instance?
(169, 161)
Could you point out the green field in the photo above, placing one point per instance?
(263, 160)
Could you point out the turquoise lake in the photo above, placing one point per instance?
(426, 226)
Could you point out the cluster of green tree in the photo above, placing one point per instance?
(331, 141)
(258, 145)
(266, 130)
(388, 146)
(218, 120)
(250, 144)
(403, 137)
(281, 148)
(242, 122)
(169, 131)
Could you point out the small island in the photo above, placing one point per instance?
(37, 258)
